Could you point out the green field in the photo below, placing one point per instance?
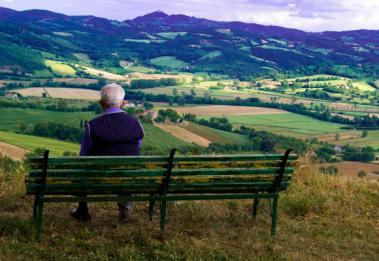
(160, 140)
(171, 35)
(211, 55)
(30, 143)
(11, 118)
(60, 68)
(147, 41)
(139, 68)
(83, 57)
(372, 139)
(291, 122)
(168, 61)
(216, 136)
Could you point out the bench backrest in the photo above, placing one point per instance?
(160, 174)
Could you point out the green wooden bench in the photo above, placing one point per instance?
(159, 178)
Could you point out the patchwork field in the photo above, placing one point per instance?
(224, 110)
(31, 143)
(214, 135)
(75, 80)
(293, 123)
(65, 93)
(12, 151)
(168, 61)
(106, 75)
(372, 139)
(184, 134)
(60, 68)
(352, 168)
(11, 118)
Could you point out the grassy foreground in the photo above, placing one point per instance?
(320, 218)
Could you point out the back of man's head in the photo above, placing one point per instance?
(112, 95)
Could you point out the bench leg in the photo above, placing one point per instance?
(163, 217)
(255, 207)
(274, 215)
(151, 210)
(38, 220)
(35, 207)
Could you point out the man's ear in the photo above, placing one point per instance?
(102, 104)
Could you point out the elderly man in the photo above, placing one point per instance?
(114, 133)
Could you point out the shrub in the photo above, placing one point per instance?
(362, 174)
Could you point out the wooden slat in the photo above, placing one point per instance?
(105, 165)
(232, 157)
(157, 179)
(258, 171)
(107, 188)
(98, 173)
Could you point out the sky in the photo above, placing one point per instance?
(307, 15)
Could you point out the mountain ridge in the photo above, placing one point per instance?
(192, 44)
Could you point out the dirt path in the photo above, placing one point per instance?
(14, 152)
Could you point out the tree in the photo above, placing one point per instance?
(364, 133)
(337, 136)
(23, 127)
(174, 92)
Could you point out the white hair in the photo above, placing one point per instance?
(112, 94)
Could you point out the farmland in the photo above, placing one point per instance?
(11, 118)
(65, 93)
(184, 134)
(351, 169)
(31, 143)
(60, 68)
(168, 61)
(224, 110)
(214, 135)
(12, 151)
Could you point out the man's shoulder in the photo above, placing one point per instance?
(118, 115)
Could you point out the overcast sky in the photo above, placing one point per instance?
(308, 15)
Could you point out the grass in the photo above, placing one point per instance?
(295, 123)
(372, 139)
(363, 86)
(147, 41)
(31, 143)
(60, 68)
(160, 140)
(83, 57)
(216, 136)
(320, 218)
(211, 55)
(11, 118)
(140, 68)
(168, 61)
(171, 35)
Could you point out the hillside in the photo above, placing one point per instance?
(179, 43)
(321, 217)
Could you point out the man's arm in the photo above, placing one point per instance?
(85, 147)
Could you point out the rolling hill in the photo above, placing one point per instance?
(181, 43)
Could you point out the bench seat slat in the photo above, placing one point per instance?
(98, 173)
(156, 179)
(103, 165)
(102, 159)
(232, 157)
